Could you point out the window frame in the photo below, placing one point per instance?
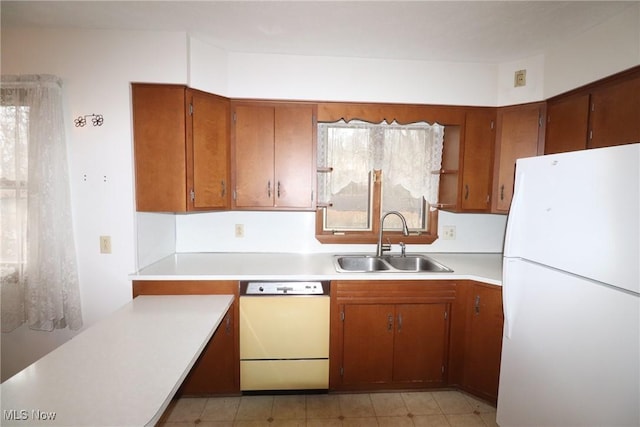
(376, 113)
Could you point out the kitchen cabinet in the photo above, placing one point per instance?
(181, 148)
(274, 155)
(567, 124)
(519, 133)
(615, 113)
(483, 347)
(477, 163)
(217, 370)
(389, 335)
(601, 114)
(467, 163)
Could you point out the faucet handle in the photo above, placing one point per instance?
(403, 249)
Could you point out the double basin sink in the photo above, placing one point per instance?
(388, 263)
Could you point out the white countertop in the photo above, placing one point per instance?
(481, 267)
(122, 371)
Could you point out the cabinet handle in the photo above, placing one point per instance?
(389, 322)
(224, 188)
(466, 191)
(476, 305)
(278, 190)
(399, 322)
(502, 192)
(269, 189)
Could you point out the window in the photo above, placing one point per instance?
(366, 170)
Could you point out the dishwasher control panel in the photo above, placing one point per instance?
(284, 288)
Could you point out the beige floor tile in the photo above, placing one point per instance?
(178, 424)
(215, 424)
(452, 402)
(435, 420)
(185, 409)
(465, 420)
(489, 419)
(220, 409)
(289, 407)
(389, 405)
(255, 408)
(479, 405)
(301, 422)
(421, 403)
(356, 406)
(323, 406)
(324, 422)
(360, 422)
(395, 422)
(251, 423)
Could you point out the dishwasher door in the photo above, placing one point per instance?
(284, 342)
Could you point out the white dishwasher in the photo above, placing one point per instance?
(284, 335)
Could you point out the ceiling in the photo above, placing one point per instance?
(467, 31)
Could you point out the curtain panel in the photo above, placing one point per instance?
(39, 269)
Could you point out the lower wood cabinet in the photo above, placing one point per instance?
(476, 339)
(217, 370)
(389, 335)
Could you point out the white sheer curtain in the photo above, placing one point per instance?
(407, 154)
(38, 259)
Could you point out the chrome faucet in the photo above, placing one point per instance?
(405, 230)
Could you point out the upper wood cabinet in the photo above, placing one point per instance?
(601, 114)
(273, 154)
(615, 114)
(567, 124)
(181, 148)
(477, 163)
(519, 133)
(467, 162)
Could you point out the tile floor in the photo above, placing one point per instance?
(437, 408)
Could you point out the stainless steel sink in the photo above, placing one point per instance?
(388, 263)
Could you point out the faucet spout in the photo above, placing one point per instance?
(405, 230)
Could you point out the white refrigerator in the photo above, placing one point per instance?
(571, 291)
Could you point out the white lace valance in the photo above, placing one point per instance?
(406, 154)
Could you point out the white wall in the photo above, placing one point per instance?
(96, 68)
(605, 49)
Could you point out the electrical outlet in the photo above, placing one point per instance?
(520, 78)
(105, 244)
(239, 230)
(449, 232)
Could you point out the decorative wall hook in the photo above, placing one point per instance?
(96, 120)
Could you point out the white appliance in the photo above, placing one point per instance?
(571, 291)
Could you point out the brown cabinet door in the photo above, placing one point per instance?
(615, 114)
(420, 344)
(209, 154)
(214, 372)
(484, 341)
(518, 133)
(294, 156)
(254, 156)
(567, 124)
(159, 147)
(368, 343)
(478, 160)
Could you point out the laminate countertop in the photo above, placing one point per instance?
(122, 371)
(481, 267)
